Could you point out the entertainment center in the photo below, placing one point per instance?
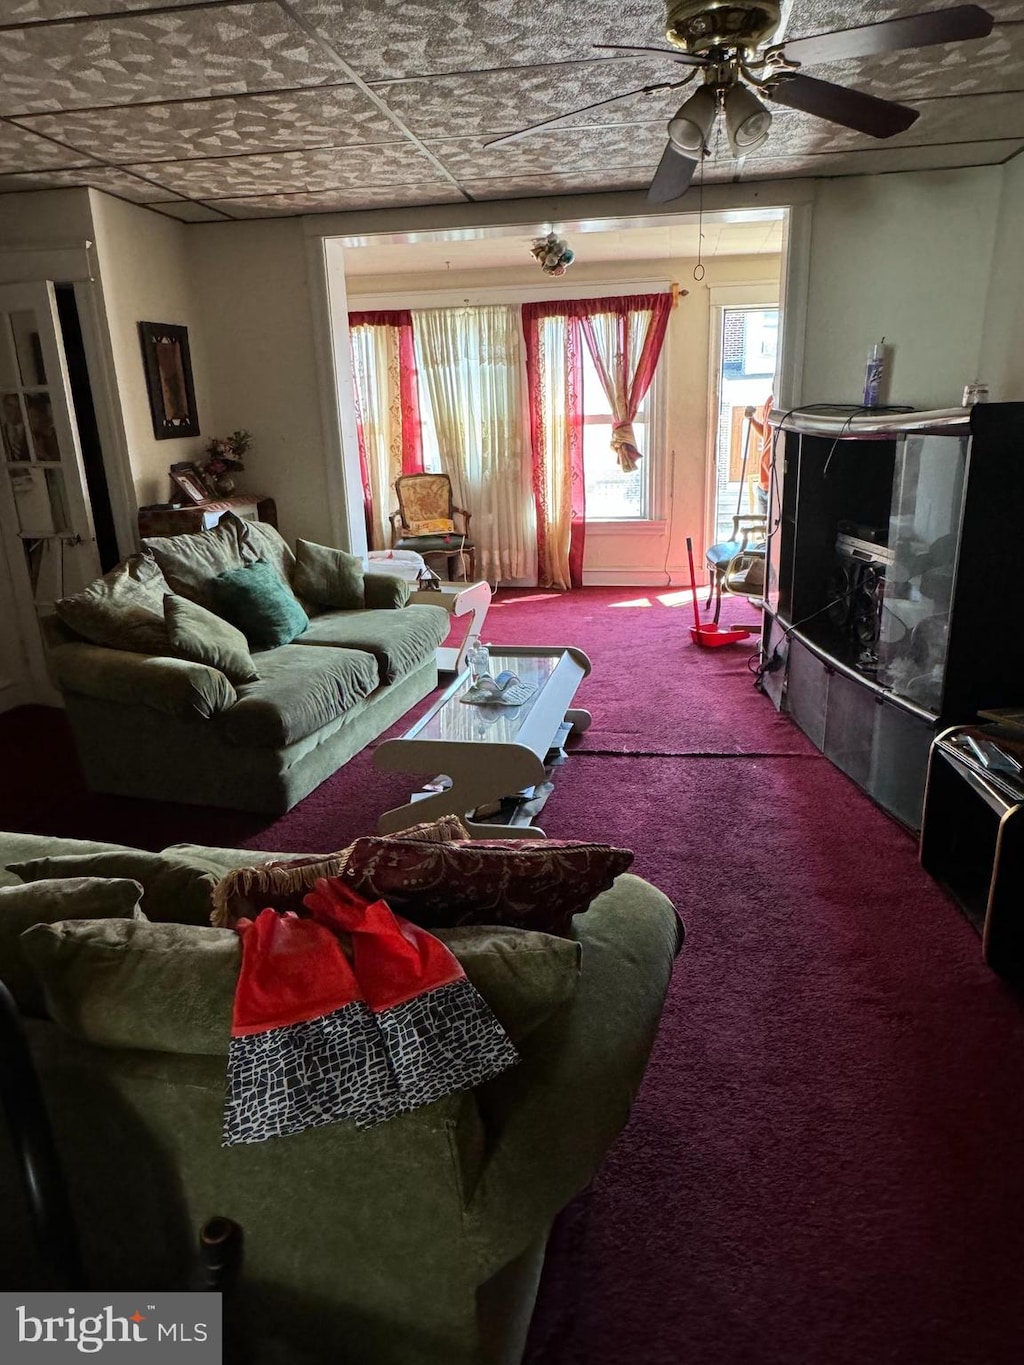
(892, 583)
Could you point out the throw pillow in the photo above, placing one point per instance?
(283, 882)
(176, 890)
(385, 592)
(46, 902)
(170, 987)
(330, 578)
(263, 608)
(191, 562)
(122, 610)
(530, 883)
(203, 638)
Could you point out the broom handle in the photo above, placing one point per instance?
(693, 582)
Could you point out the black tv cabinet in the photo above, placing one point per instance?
(893, 592)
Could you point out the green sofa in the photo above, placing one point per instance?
(150, 725)
(418, 1242)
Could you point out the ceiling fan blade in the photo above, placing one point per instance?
(892, 35)
(839, 104)
(683, 58)
(563, 119)
(673, 176)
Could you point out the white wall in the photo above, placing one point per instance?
(146, 276)
(1002, 350)
(262, 363)
(908, 257)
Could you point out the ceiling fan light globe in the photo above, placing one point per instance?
(690, 127)
(747, 121)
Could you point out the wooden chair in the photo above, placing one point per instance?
(428, 522)
(737, 565)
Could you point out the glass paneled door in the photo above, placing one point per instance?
(45, 518)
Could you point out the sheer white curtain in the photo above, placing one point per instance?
(375, 371)
(471, 371)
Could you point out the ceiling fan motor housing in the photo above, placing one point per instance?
(697, 25)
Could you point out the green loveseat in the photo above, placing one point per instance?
(150, 725)
(418, 1242)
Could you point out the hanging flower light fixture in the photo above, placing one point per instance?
(552, 253)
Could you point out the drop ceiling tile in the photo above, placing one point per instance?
(525, 186)
(395, 163)
(33, 11)
(340, 200)
(388, 38)
(110, 178)
(504, 101)
(962, 120)
(881, 161)
(567, 150)
(22, 151)
(327, 116)
(194, 52)
(188, 212)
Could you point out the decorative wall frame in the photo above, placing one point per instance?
(172, 398)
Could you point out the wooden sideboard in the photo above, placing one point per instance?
(200, 516)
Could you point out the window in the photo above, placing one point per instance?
(612, 494)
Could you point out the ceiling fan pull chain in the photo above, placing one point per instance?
(698, 270)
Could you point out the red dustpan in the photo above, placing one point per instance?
(709, 636)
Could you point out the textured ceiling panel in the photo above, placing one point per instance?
(570, 182)
(504, 101)
(339, 200)
(387, 38)
(880, 160)
(157, 56)
(575, 150)
(107, 178)
(334, 116)
(187, 211)
(292, 172)
(32, 11)
(21, 151)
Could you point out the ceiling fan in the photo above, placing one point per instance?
(727, 43)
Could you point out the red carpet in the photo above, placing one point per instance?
(824, 1163)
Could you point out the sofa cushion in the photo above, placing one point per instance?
(191, 562)
(256, 600)
(531, 883)
(400, 641)
(170, 988)
(298, 692)
(267, 543)
(122, 610)
(45, 902)
(175, 889)
(282, 882)
(198, 635)
(330, 578)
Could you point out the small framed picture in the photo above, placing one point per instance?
(189, 480)
(172, 399)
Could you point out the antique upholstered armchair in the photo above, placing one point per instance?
(426, 522)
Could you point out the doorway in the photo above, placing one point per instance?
(744, 374)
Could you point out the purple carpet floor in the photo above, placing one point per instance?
(825, 1163)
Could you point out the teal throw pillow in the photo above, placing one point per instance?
(330, 578)
(203, 638)
(263, 608)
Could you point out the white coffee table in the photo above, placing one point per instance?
(488, 755)
(459, 599)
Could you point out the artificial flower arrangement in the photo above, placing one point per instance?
(224, 454)
(552, 253)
